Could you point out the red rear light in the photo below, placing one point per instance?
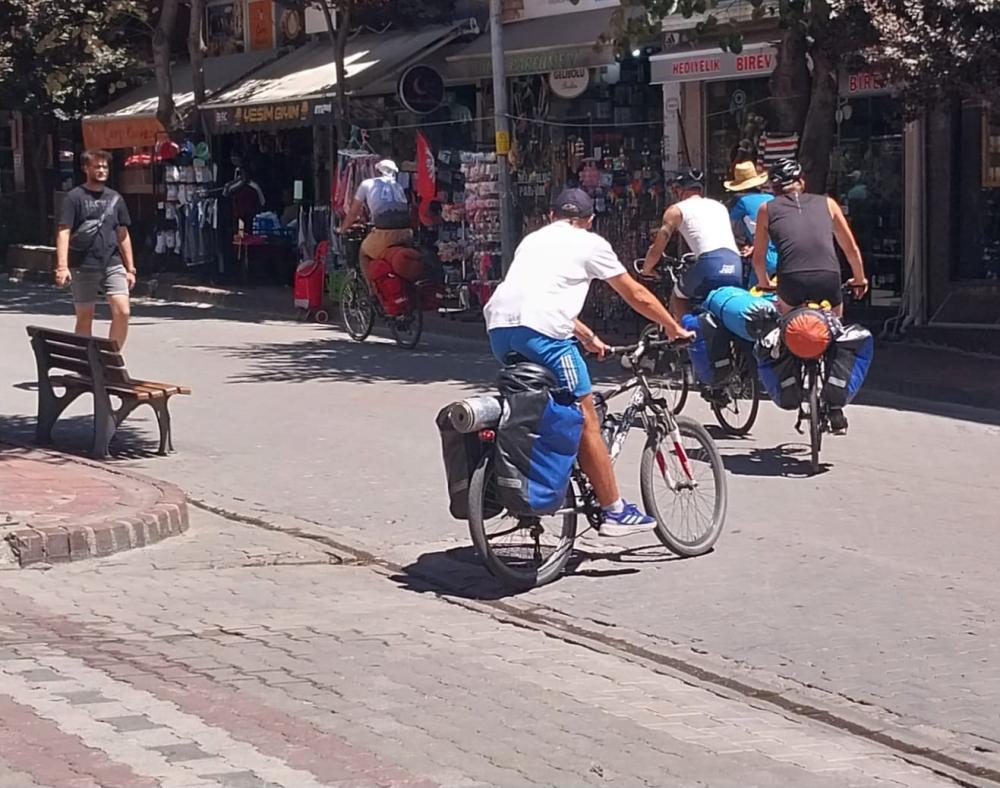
(487, 436)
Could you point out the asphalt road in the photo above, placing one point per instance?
(870, 588)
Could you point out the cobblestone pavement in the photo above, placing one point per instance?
(232, 656)
(871, 586)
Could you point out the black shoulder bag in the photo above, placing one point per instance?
(83, 236)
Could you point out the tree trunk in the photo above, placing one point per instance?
(196, 51)
(161, 63)
(820, 124)
(344, 115)
(790, 83)
(36, 140)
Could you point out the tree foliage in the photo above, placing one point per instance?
(933, 48)
(63, 58)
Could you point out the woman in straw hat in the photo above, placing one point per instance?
(747, 183)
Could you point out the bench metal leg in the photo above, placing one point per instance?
(50, 408)
(160, 407)
(105, 424)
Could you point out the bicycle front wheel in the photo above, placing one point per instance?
(521, 552)
(683, 484)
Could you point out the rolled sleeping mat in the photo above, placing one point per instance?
(746, 315)
(476, 413)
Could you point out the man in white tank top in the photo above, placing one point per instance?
(705, 227)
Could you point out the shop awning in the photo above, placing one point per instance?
(298, 88)
(756, 60)
(538, 46)
(130, 120)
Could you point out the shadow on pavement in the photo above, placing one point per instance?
(75, 434)
(48, 300)
(787, 459)
(460, 573)
(336, 358)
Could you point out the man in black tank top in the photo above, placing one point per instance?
(804, 227)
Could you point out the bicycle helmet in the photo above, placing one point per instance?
(785, 172)
(525, 377)
(690, 179)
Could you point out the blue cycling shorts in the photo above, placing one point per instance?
(560, 356)
(720, 268)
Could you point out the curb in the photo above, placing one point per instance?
(32, 545)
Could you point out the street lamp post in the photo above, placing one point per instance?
(508, 232)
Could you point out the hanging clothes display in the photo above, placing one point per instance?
(353, 167)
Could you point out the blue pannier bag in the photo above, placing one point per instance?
(536, 446)
(709, 353)
(748, 316)
(847, 363)
(781, 377)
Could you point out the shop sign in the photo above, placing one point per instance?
(710, 65)
(533, 9)
(421, 89)
(864, 83)
(290, 113)
(117, 133)
(569, 83)
(261, 24)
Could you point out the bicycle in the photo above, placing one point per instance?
(360, 307)
(736, 401)
(526, 552)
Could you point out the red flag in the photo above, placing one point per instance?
(426, 185)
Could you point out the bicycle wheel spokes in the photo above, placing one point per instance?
(524, 544)
(683, 486)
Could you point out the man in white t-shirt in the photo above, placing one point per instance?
(387, 207)
(705, 226)
(535, 313)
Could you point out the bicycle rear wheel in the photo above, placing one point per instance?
(356, 306)
(521, 552)
(738, 413)
(407, 328)
(815, 420)
(683, 483)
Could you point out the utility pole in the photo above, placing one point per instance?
(508, 232)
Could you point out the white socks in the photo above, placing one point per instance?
(616, 507)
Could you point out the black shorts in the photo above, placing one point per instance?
(798, 288)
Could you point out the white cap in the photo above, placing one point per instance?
(387, 167)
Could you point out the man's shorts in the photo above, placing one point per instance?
(378, 241)
(720, 268)
(560, 356)
(805, 286)
(92, 285)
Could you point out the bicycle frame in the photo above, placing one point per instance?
(657, 420)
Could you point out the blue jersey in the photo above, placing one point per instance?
(744, 212)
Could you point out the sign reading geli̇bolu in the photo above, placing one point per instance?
(421, 89)
(569, 83)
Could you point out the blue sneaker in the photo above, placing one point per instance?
(626, 522)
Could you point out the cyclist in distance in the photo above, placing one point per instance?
(705, 226)
(804, 228)
(535, 312)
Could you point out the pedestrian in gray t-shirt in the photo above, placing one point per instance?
(102, 265)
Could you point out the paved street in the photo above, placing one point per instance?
(869, 589)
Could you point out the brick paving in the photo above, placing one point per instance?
(272, 665)
(54, 508)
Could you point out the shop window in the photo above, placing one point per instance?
(978, 205)
(225, 30)
(866, 178)
(736, 110)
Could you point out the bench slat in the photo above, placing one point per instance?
(81, 381)
(108, 357)
(69, 338)
(111, 374)
(173, 387)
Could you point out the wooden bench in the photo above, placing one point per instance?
(97, 368)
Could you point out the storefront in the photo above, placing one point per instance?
(963, 186)
(867, 176)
